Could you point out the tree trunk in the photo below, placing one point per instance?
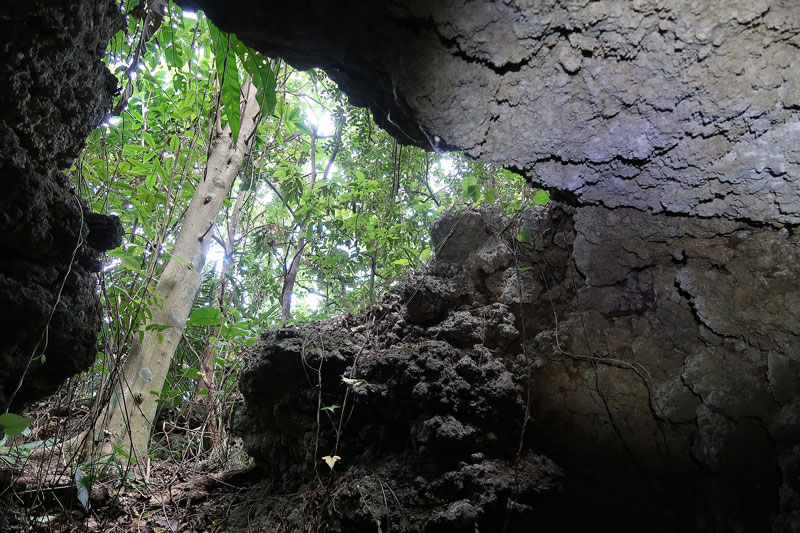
(206, 383)
(291, 277)
(291, 273)
(128, 419)
(207, 364)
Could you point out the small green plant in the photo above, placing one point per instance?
(83, 484)
(110, 466)
(525, 235)
(351, 383)
(14, 425)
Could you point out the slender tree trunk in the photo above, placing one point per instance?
(291, 278)
(291, 273)
(128, 418)
(207, 364)
(206, 383)
(373, 266)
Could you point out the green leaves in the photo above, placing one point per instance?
(205, 316)
(14, 424)
(127, 259)
(263, 74)
(471, 188)
(230, 86)
(192, 373)
(525, 236)
(82, 484)
(542, 197)
(230, 52)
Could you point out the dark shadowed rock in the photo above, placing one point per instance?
(55, 90)
(432, 428)
(646, 385)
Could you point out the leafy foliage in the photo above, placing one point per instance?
(322, 185)
(14, 424)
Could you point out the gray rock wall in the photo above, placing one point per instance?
(665, 362)
(659, 320)
(702, 318)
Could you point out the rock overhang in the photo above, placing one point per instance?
(660, 106)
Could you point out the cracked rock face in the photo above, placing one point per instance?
(661, 106)
(658, 325)
(660, 417)
(702, 321)
(55, 91)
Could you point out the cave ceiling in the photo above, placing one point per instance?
(666, 107)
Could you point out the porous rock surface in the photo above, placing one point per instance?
(667, 106)
(428, 437)
(55, 90)
(656, 371)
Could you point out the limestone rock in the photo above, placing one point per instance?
(55, 90)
